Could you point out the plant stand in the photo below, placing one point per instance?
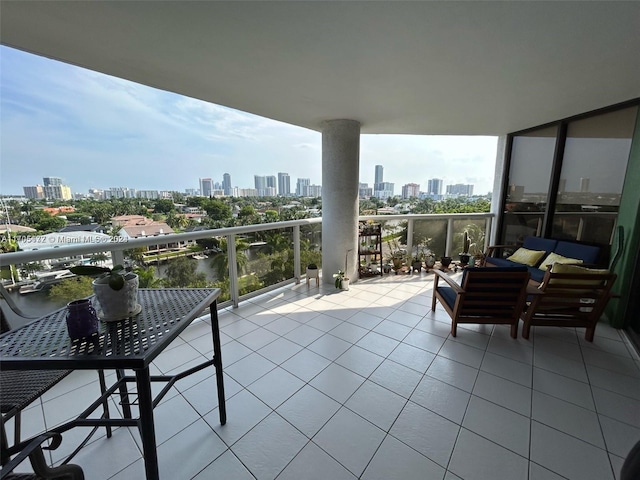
(370, 249)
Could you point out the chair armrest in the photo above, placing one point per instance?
(491, 249)
(452, 283)
(33, 449)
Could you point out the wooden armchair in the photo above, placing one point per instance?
(569, 296)
(486, 295)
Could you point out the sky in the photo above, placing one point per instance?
(98, 131)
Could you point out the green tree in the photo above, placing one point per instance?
(44, 222)
(182, 273)
(220, 261)
(164, 206)
(136, 255)
(147, 277)
(71, 289)
(217, 209)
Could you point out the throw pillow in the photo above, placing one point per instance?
(575, 269)
(553, 258)
(526, 256)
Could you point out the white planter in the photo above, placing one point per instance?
(345, 284)
(117, 304)
(313, 273)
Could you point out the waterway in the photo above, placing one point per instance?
(39, 303)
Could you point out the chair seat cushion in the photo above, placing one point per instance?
(448, 295)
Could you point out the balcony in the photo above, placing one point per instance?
(368, 383)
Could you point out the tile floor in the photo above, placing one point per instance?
(368, 383)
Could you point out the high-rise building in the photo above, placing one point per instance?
(434, 187)
(460, 189)
(364, 191)
(226, 184)
(410, 190)
(301, 184)
(120, 192)
(52, 181)
(35, 192)
(584, 185)
(284, 184)
(260, 184)
(272, 182)
(379, 175)
(383, 190)
(206, 187)
(313, 191)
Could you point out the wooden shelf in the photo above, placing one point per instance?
(369, 249)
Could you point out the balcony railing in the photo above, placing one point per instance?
(443, 231)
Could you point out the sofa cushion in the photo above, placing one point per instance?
(576, 269)
(501, 262)
(538, 243)
(526, 256)
(553, 258)
(587, 253)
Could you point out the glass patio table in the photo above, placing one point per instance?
(130, 344)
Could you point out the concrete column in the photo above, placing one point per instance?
(340, 177)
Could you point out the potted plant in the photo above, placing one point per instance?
(342, 281)
(445, 261)
(116, 290)
(313, 272)
(465, 255)
(375, 266)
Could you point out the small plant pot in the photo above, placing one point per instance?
(416, 265)
(82, 319)
(464, 258)
(344, 285)
(446, 261)
(117, 304)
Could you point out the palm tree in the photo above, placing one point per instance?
(220, 261)
(147, 277)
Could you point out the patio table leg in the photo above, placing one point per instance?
(217, 362)
(145, 424)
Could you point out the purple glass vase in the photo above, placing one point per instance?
(82, 319)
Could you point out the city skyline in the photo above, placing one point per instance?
(98, 131)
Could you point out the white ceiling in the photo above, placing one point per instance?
(475, 68)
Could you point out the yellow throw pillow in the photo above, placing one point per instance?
(575, 269)
(526, 256)
(553, 258)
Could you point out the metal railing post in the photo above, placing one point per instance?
(410, 238)
(487, 233)
(234, 285)
(449, 242)
(117, 257)
(296, 253)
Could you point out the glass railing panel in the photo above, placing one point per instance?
(430, 234)
(310, 246)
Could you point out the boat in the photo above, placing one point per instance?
(200, 257)
(45, 281)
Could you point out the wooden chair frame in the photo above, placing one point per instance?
(486, 296)
(569, 300)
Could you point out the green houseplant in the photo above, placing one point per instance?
(116, 290)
